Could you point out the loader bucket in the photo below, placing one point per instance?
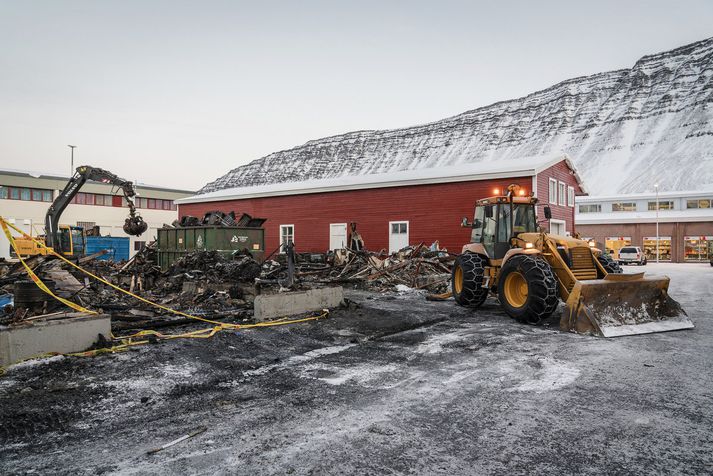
(622, 304)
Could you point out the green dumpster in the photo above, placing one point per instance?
(173, 243)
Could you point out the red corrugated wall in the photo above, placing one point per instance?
(434, 212)
(560, 172)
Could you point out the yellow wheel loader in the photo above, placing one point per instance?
(531, 271)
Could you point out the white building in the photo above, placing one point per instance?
(685, 223)
(25, 198)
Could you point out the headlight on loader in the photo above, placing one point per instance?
(529, 245)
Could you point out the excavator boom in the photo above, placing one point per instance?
(134, 224)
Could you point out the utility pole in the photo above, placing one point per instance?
(656, 186)
(71, 170)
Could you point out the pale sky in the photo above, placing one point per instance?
(176, 93)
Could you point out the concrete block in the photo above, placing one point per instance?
(270, 306)
(73, 334)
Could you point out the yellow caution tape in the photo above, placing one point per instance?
(34, 277)
(128, 341)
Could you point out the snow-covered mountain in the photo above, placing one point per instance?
(625, 130)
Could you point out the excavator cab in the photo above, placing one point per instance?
(71, 241)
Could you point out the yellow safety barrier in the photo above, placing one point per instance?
(32, 274)
(127, 341)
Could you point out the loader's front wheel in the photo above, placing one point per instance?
(527, 289)
(467, 279)
(609, 265)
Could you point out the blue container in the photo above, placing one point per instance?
(118, 247)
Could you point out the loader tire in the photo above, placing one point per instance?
(467, 279)
(609, 265)
(527, 289)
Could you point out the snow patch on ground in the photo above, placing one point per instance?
(552, 375)
(35, 362)
(366, 375)
(299, 359)
(435, 343)
(169, 376)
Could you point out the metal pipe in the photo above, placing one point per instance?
(656, 186)
(71, 170)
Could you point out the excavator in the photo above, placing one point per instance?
(530, 271)
(69, 240)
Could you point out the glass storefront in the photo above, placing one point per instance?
(615, 243)
(664, 248)
(696, 248)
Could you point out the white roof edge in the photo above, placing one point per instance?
(358, 186)
(568, 160)
(646, 195)
(459, 173)
(621, 221)
(59, 176)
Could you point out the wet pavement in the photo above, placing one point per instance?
(395, 385)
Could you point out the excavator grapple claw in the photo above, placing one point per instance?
(135, 226)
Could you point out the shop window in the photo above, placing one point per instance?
(287, 234)
(553, 191)
(167, 204)
(593, 208)
(623, 207)
(697, 248)
(15, 193)
(562, 194)
(614, 243)
(46, 195)
(25, 194)
(570, 196)
(3, 192)
(663, 205)
(152, 203)
(664, 246)
(80, 198)
(36, 195)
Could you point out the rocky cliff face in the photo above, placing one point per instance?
(625, 130)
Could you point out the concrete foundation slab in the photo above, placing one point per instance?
(72, 334)
(270, 306)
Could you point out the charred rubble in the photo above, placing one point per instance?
(207, 283)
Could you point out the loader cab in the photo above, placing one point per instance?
(71, 241)
(493, 226)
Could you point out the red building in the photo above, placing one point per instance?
(396, 209)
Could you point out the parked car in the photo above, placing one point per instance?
(632, 255)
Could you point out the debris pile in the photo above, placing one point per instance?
(209, 284)
(415, 266)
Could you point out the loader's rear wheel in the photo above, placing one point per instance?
(609, 265)
(527, 289)
(467, 279)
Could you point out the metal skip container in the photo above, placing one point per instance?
(173, 243)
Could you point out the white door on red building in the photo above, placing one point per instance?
(398, 235)
(337, 236)
(557, 227)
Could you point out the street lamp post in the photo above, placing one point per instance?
(656, 186)
(71, 171)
